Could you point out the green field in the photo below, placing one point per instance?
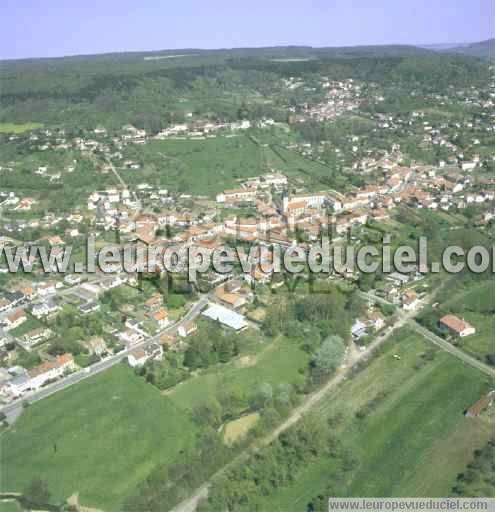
(211, 165)
(19, 128)
(100, 438)
(482, 343)
(476, 304)
(413, 442)
(294, 164)
(9, 506)
(277, 364)
(201, 167)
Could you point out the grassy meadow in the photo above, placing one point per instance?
(99, 438)
(202, 167)
(403, 418)
(476, 304)
(208, 166)
(14, 128)
(276, 363)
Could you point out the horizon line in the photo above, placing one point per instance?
(219, 49)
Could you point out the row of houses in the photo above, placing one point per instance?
(34, 379)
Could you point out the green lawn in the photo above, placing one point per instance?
(203, 167)
(99, 438)
(19, 128)
(414, 442)
(276, 364)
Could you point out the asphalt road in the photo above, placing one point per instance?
(452, 349)
(437, 340)
(13, 409)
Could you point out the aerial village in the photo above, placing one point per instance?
(274, 208)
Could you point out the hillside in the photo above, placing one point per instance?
(481, 49)
(151, 89)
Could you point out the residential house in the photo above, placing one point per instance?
(187, 329)
(237, 195)
(44, 308)
(456, 326)
(153, 303)
(130, 337)
(89, 307)
(232, 299)
(376, 321)
(410, 300)
(4, 305)
(30, 339)
(168, 340)
(358, 329)
(139, 356)
(72, 279)
(45, 289)
(41, 374)
(15, 298)
(161, 318)
(398, 279)
(15, 319)
(96, 346)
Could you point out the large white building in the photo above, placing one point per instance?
(310, 200)
(237, 195)
(226, 317)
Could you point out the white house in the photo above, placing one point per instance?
(139, 356)
(410, 301)
(41, 374)
(130, 337)
(187, 329)
(15, 319)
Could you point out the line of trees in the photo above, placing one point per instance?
(247, 485)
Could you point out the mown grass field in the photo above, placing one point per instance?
(277, 363)
(100, 438)
(413, 442)
(19, 128)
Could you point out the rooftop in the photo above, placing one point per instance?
(226, 317)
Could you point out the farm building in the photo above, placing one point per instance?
(456, 326)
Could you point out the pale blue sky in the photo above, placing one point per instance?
(46, 28)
